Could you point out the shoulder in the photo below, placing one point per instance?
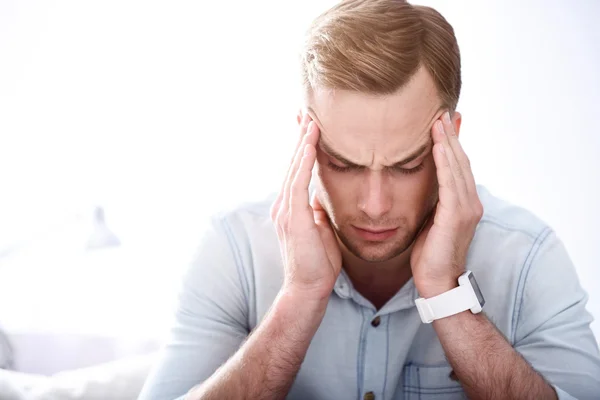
(509, 239)
(246, 216)
(503, 216)
(253, 246)
(245, 222)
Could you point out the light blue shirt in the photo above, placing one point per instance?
(531, 289)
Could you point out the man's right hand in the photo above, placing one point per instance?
(267, 363)
(309, 247)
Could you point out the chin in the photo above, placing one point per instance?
(376, 251)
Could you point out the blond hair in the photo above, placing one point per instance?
(376, 46)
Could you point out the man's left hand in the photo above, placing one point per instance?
(440, 251)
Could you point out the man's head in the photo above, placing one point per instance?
(377, 74)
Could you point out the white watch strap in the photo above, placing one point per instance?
(448, 303)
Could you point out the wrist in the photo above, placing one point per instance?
(428, 289)
(316, 294)
(302, 305)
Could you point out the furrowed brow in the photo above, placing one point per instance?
(332, 153)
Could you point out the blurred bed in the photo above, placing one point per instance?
(83, 320)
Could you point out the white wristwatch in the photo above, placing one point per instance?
(466, 296)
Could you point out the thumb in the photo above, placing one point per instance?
(319, 212)
(422, 234)
(429, 222)
(322, 220)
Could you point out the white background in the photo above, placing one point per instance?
(163, 112)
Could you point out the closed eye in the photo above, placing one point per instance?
(409, 171)
(348, 168)
(345, 168)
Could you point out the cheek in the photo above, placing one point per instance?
(430, 175)
(425, 187)
(337, 189)
(332, 181)
(414, 191)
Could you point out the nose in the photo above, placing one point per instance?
(375, 198)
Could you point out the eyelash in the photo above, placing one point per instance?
(403, 171)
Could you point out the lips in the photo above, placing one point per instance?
(378, 230)
(375, 234)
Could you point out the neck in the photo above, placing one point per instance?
(378, 282)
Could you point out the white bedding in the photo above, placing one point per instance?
(118, 380)
(64, 310)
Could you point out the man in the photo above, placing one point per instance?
(364, 287)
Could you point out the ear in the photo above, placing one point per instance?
(456, 122)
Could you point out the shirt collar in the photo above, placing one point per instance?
(403, 299)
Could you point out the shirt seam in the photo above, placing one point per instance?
(360, 369)
(237, 256)
(440, 390)
(412, 385)
(518, 304)
(492, 221)
(406, 377)
(419, 379)
(387, 353)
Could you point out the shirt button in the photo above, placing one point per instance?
(376, 321)
(369, 396)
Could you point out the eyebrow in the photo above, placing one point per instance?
(332, 153)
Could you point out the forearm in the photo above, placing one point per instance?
(485, 363)
(266, 365)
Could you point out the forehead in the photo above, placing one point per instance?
(376, 128)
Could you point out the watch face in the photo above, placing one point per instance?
(476, 289)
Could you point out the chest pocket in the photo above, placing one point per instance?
(422, 382)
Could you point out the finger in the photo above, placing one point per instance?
(299, 187)
(456, 148)
(324, 226)
(285, 201)
(299, 201)
(445, 137)
(316, 204)
(319, 214)
(446, 182)
(303, 128)
(461, 157)
(430, 221)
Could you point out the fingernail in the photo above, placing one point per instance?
(447, 117)
(310, 127)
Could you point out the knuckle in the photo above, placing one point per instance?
(285, 227)
(463, 218)
(278, 222)
(478, 210)
(280, 218)
(279, 233)
(295, 182)
(467, 162)
(274, 211)
(293, 189)
(285, 222)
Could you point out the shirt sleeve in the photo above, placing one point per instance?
(552, 329)
(210, 321)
